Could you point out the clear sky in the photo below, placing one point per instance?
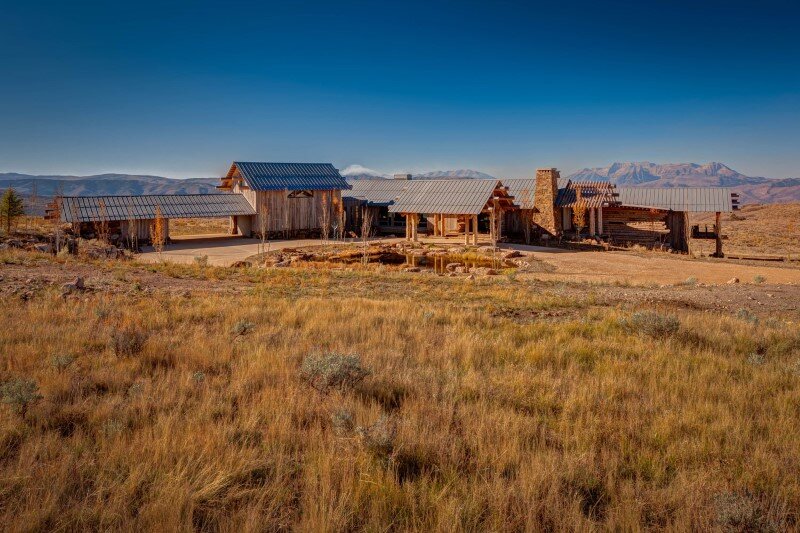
(182, 89)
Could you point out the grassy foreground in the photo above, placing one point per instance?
(491, 405)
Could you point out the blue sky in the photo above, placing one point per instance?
(181, 89)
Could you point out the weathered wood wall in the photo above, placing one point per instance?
(624, 225)
(289, 215)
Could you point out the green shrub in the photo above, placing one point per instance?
(759, 279)
(201, 260)
(20, 394)
(128, 341)
(61, 361)
(342, 422)
(654, 324)
(242, 328)
(379, 438)
(333, 371)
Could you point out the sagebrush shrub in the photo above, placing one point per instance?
(333, 371)
(342, 422)
(654, 324)
(379, 438)
(242, 328)
(61, 361)
(129, 341)
(20, 394)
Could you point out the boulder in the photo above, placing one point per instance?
(75, 286)
(733, 281)
(44, 248)
(281, 264)
(512, 254)
(242, 264)
(451, 267)
(411, 269)
(484, 271)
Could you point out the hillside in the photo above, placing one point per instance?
(645, 174)
(759, 229)
(107, 184)
(165, 397)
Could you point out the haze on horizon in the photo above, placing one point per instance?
(180, 90)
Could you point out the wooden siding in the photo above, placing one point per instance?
(288, 215)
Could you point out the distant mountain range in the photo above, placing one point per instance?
(105, 184)
(645, 174)
(641, 174)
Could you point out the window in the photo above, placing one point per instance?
(301, 194)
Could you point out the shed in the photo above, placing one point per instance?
(290, 199)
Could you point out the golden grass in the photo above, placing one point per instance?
(198, 226)
(502, 424)
(757, 229)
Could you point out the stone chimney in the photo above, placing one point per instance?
(544, 199)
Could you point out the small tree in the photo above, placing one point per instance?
(158, 234)
(101, 224)
(263, 228)
(20, 394)
(366, 231)
(579, 212)
(526, 214)
(11, 208)
(325, 216)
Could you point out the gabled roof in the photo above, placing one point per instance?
(691, 199)
(524, 189)
(111, 208)
(452, 197)
(591, 193)
(377, 192)
(291, 176)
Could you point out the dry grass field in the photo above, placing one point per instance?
(201, 398)
(758, 229)
(198, 226)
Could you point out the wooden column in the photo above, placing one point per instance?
(442, 225)
(600, 220)
(466, 229)
(592, 225)
(408, 221)
(718, 231)
(475, 230)
(414, 225)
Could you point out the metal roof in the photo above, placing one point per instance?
(524, 189)
(377, 192)
(108, 208)
(291, 176)
(452, 197)
(692, 199)
(592, 194)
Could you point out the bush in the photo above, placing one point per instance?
(242, 328)
(759, 279)
(654, 324)
(342, 422)
(20, 394)
(379, 437)
(333, 370)
(62, 361)
(690, 281)
(127, 342)
(201, 260)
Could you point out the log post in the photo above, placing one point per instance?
(415, 224)
(592, 225)
(466, 229)
(475, 230)
(407, 225)
(600, 220)
(718, 232)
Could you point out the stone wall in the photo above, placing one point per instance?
(547, 215)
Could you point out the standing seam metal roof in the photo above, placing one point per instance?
(377, 192)
(593, 194)
(291, 176)
(90, 208)
(454, 197)
(691, 199)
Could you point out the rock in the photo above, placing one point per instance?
(471, 276)
(460, 270)
(75, 286)
(512, 254)
(484, 271)
(486, 249)
(242, 264)
(411, 269)
(450, 267)
(733, 280)
(281, 264)
(44, 248)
